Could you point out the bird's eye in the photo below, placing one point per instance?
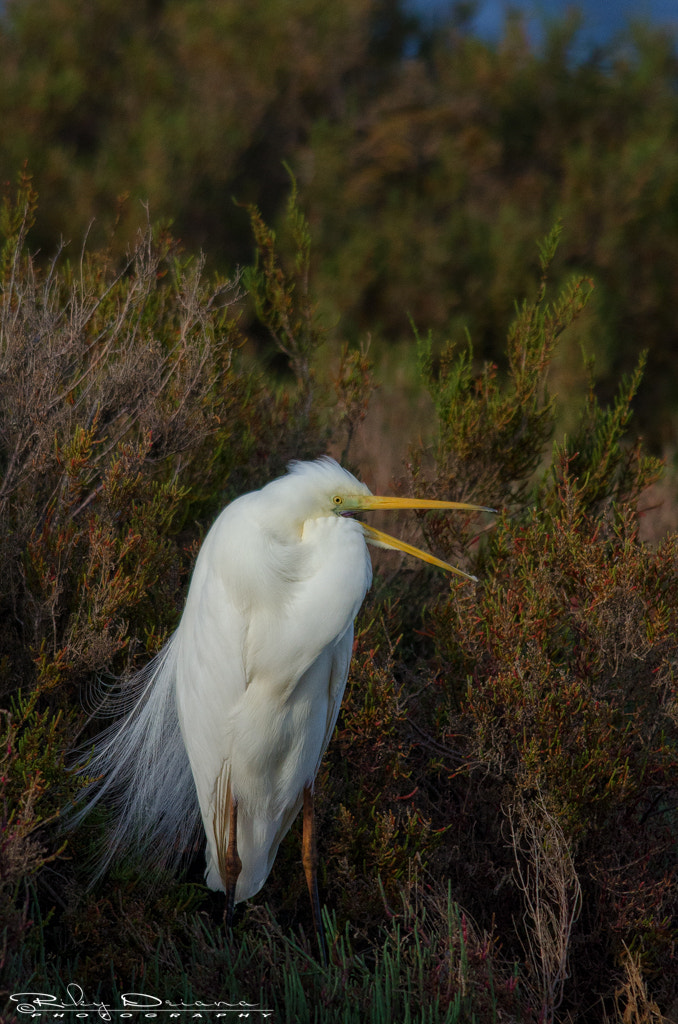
(338, 500)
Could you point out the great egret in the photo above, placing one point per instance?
(231, 719)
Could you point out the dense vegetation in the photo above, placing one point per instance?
(426, 179)
(498, 805)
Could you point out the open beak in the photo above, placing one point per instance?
(369, 502)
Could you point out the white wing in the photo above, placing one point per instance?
(309, 724)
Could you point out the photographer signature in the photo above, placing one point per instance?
(133, 1004)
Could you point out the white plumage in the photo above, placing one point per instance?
(264, 647)
(242, 701)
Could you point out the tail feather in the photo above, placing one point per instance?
(140, 767)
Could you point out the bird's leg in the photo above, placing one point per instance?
(232, 863)
(309, 858)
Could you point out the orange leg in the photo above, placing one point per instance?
(309, 858)
(232, 865)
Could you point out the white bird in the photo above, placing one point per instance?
(232, 718)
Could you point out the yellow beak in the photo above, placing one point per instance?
(369, 502)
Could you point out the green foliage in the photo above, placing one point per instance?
(427, 178)
(491, 431)
(428, 965)
(124, 410)
(569, 658)
(428, 195)
(281, 301)
(506, 753)
(558, 688)
(107, 375)
(180, 104)
(33, 783)
(607, 467)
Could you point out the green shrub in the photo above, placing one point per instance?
(126, 418)
(497, 808)
(554, 685)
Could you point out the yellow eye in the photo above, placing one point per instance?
(338, 500)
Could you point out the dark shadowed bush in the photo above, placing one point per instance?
(127, 417)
